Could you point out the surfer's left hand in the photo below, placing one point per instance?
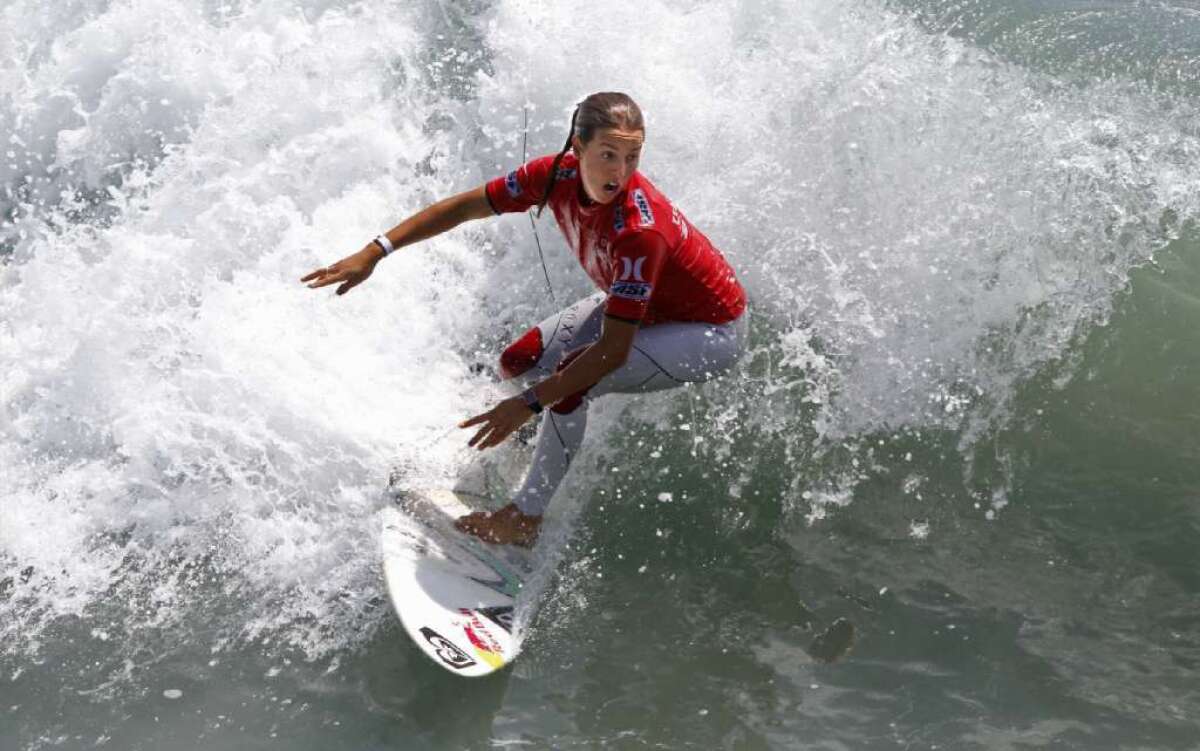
(498, 423)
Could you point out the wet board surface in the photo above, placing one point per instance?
(454, 594)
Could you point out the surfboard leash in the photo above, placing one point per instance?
(532, 223)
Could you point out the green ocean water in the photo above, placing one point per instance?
(967, 422)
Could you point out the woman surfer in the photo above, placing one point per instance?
(671, 310)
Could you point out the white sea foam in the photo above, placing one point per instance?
(920, 227)
(172, 393)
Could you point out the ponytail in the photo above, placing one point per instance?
(557, 161)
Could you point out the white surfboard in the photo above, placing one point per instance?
(455, 594)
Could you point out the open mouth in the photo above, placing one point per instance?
(611, 187)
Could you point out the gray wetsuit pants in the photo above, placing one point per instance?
(663, 356)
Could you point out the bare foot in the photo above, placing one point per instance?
(504, 526)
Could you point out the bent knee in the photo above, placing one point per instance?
(522, 354)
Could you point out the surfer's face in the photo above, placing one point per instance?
(608, 161)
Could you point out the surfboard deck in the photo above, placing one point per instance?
(455, 594)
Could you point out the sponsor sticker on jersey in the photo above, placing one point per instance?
(446, 651)
(512, 184)
(619, 219)
(639, 291)
(643, 207)
(567, 173)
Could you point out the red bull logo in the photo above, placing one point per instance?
(486, 646)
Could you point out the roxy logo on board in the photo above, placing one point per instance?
(446, 651)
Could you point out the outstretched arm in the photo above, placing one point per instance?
(426, 223)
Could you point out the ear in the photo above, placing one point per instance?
(576, 146)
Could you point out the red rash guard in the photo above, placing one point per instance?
(638, 248)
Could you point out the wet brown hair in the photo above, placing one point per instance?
(605, 109)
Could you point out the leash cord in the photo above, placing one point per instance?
(532, 223)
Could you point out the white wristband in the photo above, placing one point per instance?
(384, 244)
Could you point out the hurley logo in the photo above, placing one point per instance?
(632, 270)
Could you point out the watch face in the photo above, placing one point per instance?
(531, 400)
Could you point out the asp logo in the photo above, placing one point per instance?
(566, 173)
(619, 219)
(643, 207)
(632, 290)
(512, 184)
(446, 651)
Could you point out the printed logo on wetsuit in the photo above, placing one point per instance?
(446, 651)
(619, 219)
(631, 285)
(679, 221)
(639, 291)
(643, 207)
(512, 184)
(631, 270)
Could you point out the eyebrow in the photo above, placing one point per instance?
(615, 147)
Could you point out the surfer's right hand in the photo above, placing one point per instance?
(351, 271)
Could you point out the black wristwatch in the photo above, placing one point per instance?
(531, 400)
